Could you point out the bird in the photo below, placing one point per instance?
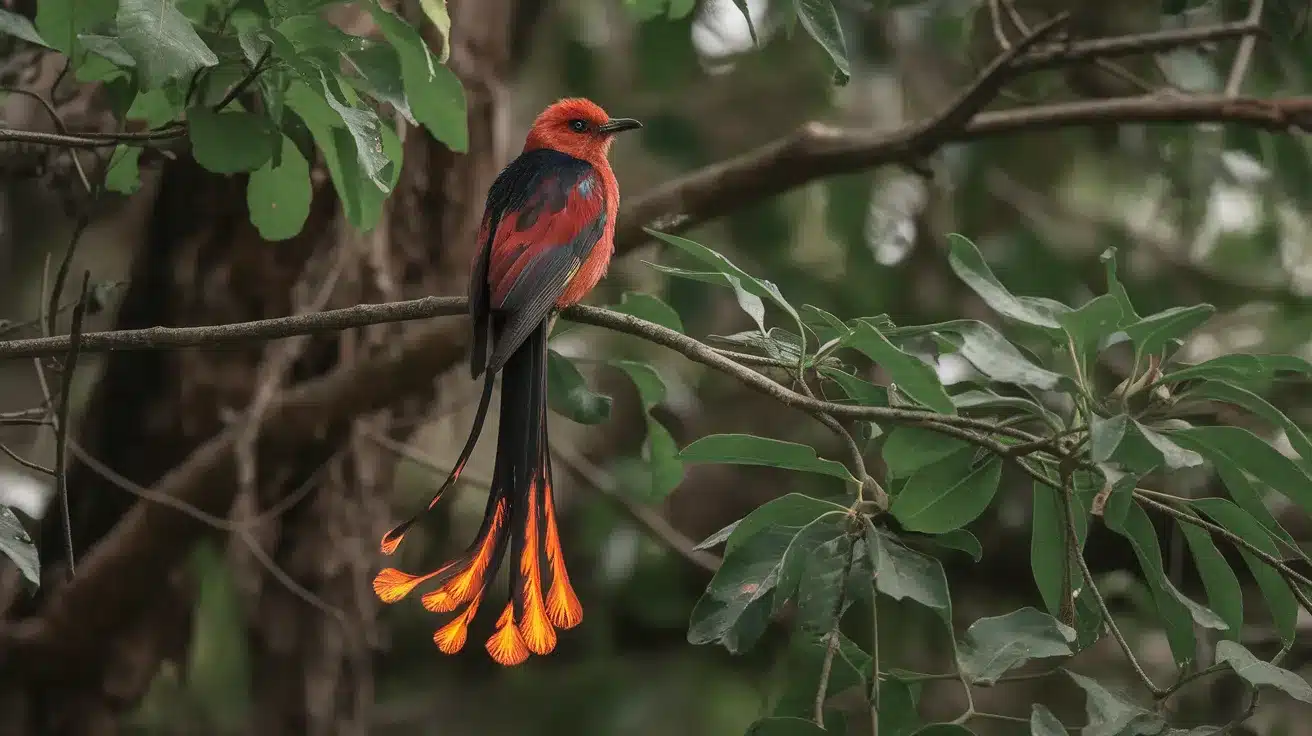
(545, 240)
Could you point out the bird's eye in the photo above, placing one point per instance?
(578, 126)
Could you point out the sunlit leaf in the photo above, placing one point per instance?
(278, 196)
(970, 267)
(1152, 334)
(820, 20)
(13, 24)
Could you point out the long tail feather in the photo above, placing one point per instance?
(392, 539)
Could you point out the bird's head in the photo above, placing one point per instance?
(578, 127)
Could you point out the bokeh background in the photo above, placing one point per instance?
(1209, 213)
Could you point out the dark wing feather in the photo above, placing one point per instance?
(544, 214)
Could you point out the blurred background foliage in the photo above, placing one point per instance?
(1200, 213)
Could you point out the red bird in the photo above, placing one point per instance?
(546, 240)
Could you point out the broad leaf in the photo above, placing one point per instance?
(650, 308)
(995, 356)
(436, 97)
(861, 391)
(746, 449)
(1175, 614)
(823, 574)
(759, 287)
(1223, 592)
(278, 196)
(898, 707)
(1153, 334)
(13, 24)
(568, 394)
(60, 21)
(1105, 436)
(123, 175)
(748, 301)
(820, 20)
(901, 573)
(1240, 368)
(231, 142)
(108, 47)
(948, 494)
(909, 374)
(1262, 674)
(969, 266)
(994, 646)
(1247, 451)
(1114, 286)
(1279, 598)
(983, 398)
(908, 449)
(441, 20)
(1044, 723)
(17, 546)
(1088, 326)
(804, 660)
(1173, 455)
(793, 509)
(162, 41)
(1242, 397)
(1110, 715)
(960, 540)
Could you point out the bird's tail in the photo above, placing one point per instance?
(520, 513)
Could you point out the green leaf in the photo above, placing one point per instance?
(230, 142)
(792, 509)
(107, 47)
(659, 452)
(1175, 614)
(1152, 334)
(901, 573)
(60, 21)
(996, 645)
(948, 494)
(1089, 325)
(441, 20)
(1241, 368)
(820, 20)
(825, 325)
(17, 546)
(1105, 436)
(1246, 493)
(969, 266)
(568, 394)
(1241, 397)
(749, 302)
(757, 568)
(436, 96)
(908, 449)
(1247, 451)
(123, 175)
(1172, 454)
(162, 41)
(651, 389)
(861, 391)
(822, 580)
(909, 374)
(995, 356)
(278, 196)
(746, 449)
(960, 540)
(1223, 592)
(775, 343)
(983, 398)
(377, 73)
(804, 660)
(1279, 598)
(1114, 286)
(898, 709)
(13, 24)
(759, 287)
(1109, 715)
(1044, 723)
(785, 727)
(1049, 560)
(1262, 674)
(650, 308)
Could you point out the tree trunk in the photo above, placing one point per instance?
(305, 552)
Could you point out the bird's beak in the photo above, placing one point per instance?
(618, 125)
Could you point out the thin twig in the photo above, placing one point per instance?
(831, 638)
(1244, 56)
(245, 81)
(61, 427)
(25, 462)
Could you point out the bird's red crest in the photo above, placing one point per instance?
(558, 127)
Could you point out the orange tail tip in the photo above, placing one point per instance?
(451, 638)
(507, 645)
(391, 585)
(536, 630)
(392, 539)
(563, 607)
